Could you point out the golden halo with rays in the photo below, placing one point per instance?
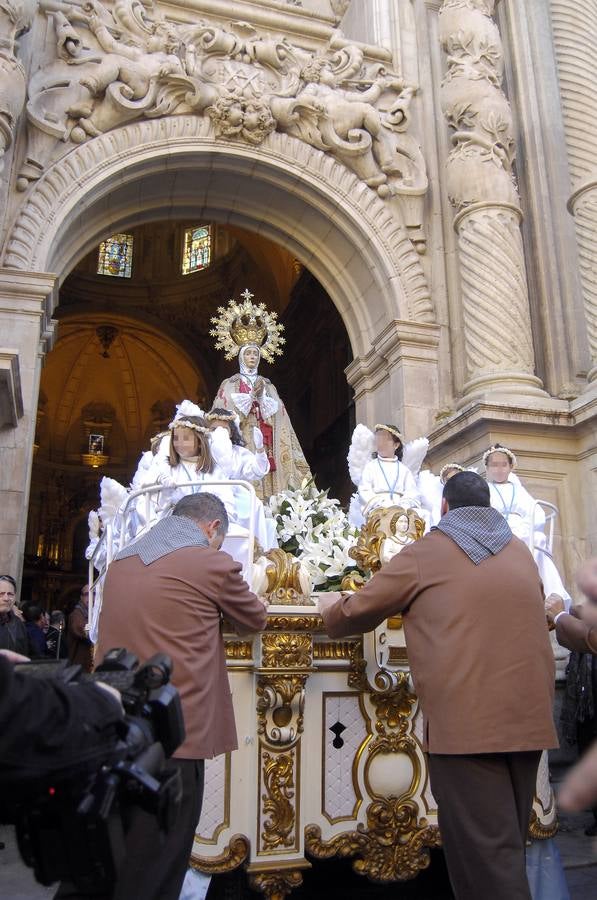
(245, 322)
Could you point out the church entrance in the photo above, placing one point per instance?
(133, 340)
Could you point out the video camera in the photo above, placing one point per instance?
(71, 826)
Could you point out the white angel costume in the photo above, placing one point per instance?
(379, 481)
(524, 516)
(240, 464)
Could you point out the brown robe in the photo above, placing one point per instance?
(175, 606)
(477, 642)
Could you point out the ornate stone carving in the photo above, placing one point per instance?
(117, 65)
(286, 651)
(574, 24)
(482, 187)
(15, 19)
(277, 801)
(67, 182)
(280, 707)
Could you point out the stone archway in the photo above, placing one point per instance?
(286, 190)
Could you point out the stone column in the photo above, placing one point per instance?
(27, 301)
(398, 379)
(481, 185)
(574, 24)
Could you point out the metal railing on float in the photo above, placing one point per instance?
(126, 527)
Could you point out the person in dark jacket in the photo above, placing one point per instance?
(13, 634)
(80, 648)
(34, 621)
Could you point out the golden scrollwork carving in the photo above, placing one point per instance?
(334, 650)
(230, 858)
(276, 622)
(393, 846)
(385, 532)
(280, 707)
(540, 832)
(277, 801)
(286, 582)
(286, 651)
(276, 885)
(239, 650)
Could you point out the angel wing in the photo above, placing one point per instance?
(112, 495)
(414, 454)
(360, 452)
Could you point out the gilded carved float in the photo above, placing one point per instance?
(330, 760)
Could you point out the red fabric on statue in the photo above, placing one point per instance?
(266, 430)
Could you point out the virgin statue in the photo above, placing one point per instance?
(248, 331)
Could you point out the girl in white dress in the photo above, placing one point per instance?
(239, 463)
(526, 519)
(385, 480)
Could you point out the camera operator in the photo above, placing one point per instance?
(168, 592)
(47, 726)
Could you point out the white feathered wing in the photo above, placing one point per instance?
(361, 449)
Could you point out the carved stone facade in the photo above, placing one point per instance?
(405, 155)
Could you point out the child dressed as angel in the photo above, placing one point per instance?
(384, 479)
(524, 516)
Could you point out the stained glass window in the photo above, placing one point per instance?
(197, 249)
(116, 256)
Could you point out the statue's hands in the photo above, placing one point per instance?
(259, 387)
(257, 439)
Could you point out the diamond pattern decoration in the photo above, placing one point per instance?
(344, 733)
(213, 811)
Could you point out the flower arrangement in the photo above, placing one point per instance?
(313, 528)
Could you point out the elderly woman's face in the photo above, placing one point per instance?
(185, 442)
(251, 357)
(7, 596)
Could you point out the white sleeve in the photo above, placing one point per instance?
(268, 406)
(251, 466)
(222, 451)
(409, 485)
(243, 402)
(366, 489)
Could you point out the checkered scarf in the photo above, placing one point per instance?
(167, 535)
(480, 531)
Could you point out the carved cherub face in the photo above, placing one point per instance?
(186, 442)
(498, 467)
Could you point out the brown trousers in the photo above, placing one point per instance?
(484, 806)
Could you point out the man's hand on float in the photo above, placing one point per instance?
(325, 601)
(257, 439)
(554, 604)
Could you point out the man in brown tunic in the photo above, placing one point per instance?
(167, 592)
(483, 669)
